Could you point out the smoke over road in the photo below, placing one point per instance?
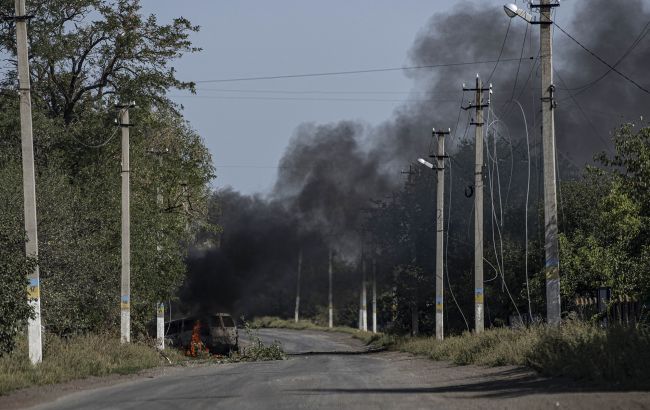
(329, 172)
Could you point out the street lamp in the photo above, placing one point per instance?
(552, 266)
(512, 10)
(425, 163)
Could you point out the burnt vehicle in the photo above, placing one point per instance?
(215, 333)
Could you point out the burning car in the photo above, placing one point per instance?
(216, 333)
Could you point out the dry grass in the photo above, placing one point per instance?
(617, 356)
(76, 358)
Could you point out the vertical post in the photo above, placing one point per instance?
(548, 146)
(160, 326)
(364, 297)
(478, 211)
(360, 315)
(440, 167)
(125, 299)
(330, 306)
(29, 183)
(297, 310)
(374, 295)
(160, 309)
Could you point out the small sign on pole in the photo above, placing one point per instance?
(160, 326)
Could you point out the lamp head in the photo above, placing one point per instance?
(425, 163)
(510, 9)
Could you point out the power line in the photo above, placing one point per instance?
(98, 145)
(348, 72)
(501, 51)
(593, 127)
(327, 92)
(523, 46)
(635, 43)
(260, 98)
(613, 68)
(451, 290)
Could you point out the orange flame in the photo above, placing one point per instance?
(196, 345)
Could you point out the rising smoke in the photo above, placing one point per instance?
(330, 172)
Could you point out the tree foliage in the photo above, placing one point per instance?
(85, 56)
(606, 232)
(88, 54)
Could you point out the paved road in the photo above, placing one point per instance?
(309, 341)
(386, 380)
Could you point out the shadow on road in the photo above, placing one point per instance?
(505, 384)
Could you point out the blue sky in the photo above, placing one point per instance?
(247, 125)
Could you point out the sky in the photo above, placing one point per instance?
(248, 124)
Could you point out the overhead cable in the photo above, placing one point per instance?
(348, 72)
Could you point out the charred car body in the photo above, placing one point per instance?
(217, 332)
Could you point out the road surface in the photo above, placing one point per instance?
(338, 375)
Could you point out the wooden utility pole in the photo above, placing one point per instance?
(125, 297)
(296, 312)
(29, 183)
(330, 305)
(548, 145)
(478, 204)
(440, 225)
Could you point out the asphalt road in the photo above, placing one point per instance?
(337, 374)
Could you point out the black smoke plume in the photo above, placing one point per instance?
(330, 172)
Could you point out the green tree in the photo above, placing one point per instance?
(605, 239)
(85, 56)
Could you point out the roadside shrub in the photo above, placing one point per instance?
(14, 310)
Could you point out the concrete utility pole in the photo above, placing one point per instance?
(374, 294)
(364, 295)
(548, 146)
(29, 183)
(297, 310)
(551, 248)
(360, 315)
(330, 306)
(478, 204)
(125, 297)
(440, 217)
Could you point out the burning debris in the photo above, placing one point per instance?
(196, 347)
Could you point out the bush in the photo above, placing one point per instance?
(14, 310)
(258, 351)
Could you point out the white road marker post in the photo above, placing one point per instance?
(160, 326)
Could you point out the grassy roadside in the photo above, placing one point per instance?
(76, 358)
(369, 338)
(616, 356)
